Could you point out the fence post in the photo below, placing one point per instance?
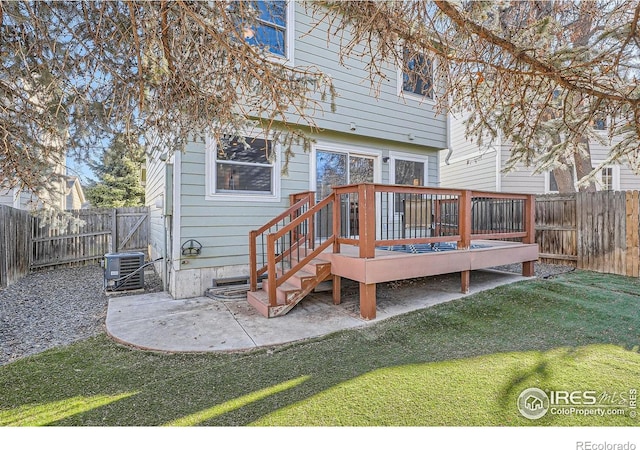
(114, 230)
(528, 269)
(632, 234)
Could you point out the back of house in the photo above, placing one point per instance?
(204, 202)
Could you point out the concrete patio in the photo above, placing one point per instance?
(157, 322)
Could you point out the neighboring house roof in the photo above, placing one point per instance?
(74, 193)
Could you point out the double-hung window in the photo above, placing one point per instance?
(417, 75)
(609, 178)
(243, 169)
(272, 29)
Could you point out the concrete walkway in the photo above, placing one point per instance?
(157, 322)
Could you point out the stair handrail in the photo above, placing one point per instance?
(254, 271)
(274, 281)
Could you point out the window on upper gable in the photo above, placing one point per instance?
(417, 75)
(273, 30)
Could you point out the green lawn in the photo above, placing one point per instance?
(460, 363)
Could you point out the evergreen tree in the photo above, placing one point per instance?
(119, 175)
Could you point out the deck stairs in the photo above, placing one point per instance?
(293, 290)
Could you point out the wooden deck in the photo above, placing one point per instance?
(355, 230)
(394, 265)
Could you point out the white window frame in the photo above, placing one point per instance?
(349, 150)
(289, 36)
(211, 174)
(394, 156)
(615, 175)
(412, 95)
(547, 183)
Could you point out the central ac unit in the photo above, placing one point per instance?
(123, 271)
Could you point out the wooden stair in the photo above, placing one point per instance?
(292, 291)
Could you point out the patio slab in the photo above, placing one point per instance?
(155, 321)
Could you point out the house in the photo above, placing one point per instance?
(205, 204)
(75, 198)
(55, 196)
(15, 198)
(198, 196)
(482, 168)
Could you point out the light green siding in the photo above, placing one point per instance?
(223, 227)
(384, 116)
(154, 198)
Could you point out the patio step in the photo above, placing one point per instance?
(292, 291)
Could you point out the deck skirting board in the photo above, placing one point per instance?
(401, 266)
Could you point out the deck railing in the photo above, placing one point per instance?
(290, 241)
(376, 215)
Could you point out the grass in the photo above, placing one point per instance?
(460, 363)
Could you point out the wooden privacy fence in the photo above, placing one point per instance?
(30, 243)
(15, 244)
(104, 231)
(597, 231)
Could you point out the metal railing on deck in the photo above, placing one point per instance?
(377, 215)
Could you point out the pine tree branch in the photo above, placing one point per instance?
(522, 55)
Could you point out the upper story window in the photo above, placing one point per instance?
(243, 169)
(273, 30)
(417, 75)
(551, 183)
(600, 123)
(606, 175)
(608, 179)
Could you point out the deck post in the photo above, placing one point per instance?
(311, 236)
(465, 279)
(367, 220)
(528, 269)
(464, 220)
(271, 269)
(253, 262)
(464, 227)
(368, 301)
(337, 221)
(337, 298)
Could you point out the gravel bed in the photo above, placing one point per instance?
(54, 308)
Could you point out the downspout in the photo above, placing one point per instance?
(449, 149)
